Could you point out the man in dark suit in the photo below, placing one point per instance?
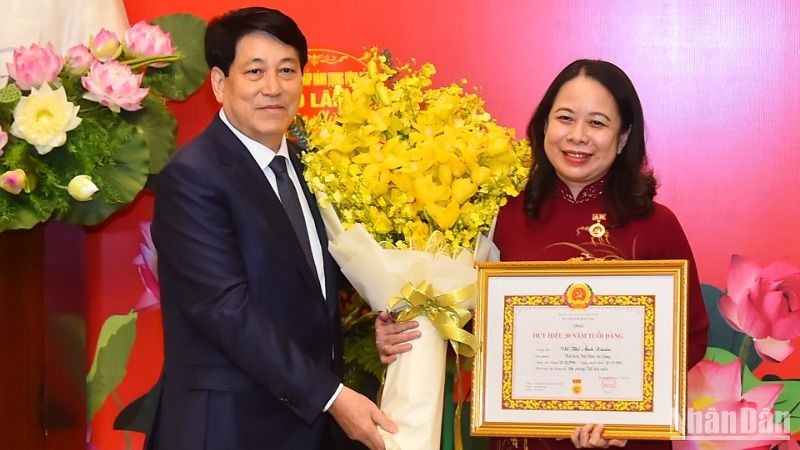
(252, 341)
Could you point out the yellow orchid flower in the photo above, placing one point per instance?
(445, 217)
(463, 190)
(407, 160)
(428, 191)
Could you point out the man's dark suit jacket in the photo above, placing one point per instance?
(248, 336)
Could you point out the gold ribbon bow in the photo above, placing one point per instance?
(442, 310)
(449, 320)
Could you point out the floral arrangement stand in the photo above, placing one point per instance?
(81, 133)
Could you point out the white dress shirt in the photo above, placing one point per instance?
(263, 156)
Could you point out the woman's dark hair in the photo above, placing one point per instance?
(630, 186)
(224, 32)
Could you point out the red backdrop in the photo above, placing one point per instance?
(719, 83)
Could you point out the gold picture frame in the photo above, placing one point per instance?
(563, 344)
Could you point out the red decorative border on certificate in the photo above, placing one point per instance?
(644, 405)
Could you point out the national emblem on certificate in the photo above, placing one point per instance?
(568, 343)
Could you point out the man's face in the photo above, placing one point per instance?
(262, 91)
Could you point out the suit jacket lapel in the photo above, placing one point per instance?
(246, 173)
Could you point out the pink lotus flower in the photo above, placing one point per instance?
(34, 65)
(144, 40)
(105, 46)
(765, 304)
(78, 59)
(114, 85)
(714, 392)
(13, 181)
(147, 263)
(3, 140)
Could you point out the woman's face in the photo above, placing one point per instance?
(582, 135)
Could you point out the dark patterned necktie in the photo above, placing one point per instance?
(291, 204)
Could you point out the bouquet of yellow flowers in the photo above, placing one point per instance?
(409, 177)
(406, 160)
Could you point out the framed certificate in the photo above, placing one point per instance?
(563, 344)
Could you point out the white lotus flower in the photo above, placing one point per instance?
(44, 117)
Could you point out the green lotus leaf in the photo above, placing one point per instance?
(789, 401)
(180, 79)
(23, 216)
(110, 359)
(119, 182)
(25, 209)
(157, 126)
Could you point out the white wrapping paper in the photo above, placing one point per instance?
(414, 388)
(413, 392)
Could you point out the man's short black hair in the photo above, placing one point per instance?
(225, 31)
